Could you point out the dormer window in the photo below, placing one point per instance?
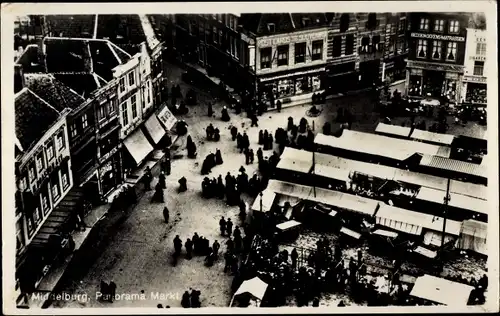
(306, 22)
(344, 22)
(271, 27)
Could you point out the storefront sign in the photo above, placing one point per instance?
(478, 58)
(167, 118)
(439, 37)
(106, 168)
(435, 66)
(247, 39)
(294, 38)
(475, 79)
(299, 73)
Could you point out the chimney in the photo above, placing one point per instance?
(18, 78)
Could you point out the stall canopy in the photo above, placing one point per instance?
(456, 200)
(436, 238)
(432, 138)
(473, 236)
(138, 146)
(441, 291)
(463, 167)
(425, 252)
(296, 160)
(392, 130)
(385, 233)
(292, 165)
(350, 233)
(154, 128)
(413, 222)
(255, 287)
(267, 200)
(288, 225)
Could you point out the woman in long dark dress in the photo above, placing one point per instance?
(218, 157)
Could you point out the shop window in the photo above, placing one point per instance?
(286, 88)
(422, 48)
(133, 104)
(73, 130)
(437, 49)
(122, 85)
(349, 44)
(85, 121)
(453, 26)
(424, 24)
(283, 55)
(236, 48)
(451, 53)
(131, 79)
(481, 49)
(439, 25)
(365, 42)
(371, 24)
(265, 57)
(317, 50)
(221, 37)
(201, 28)
(300, 53)
(40, 164)
(344, 22)
(124, 113)
(50, 151)
(30, 224)
(337, 46)
(376, 43)
(37, 217)
(478, 68)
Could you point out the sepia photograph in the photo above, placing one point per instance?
(328, 156)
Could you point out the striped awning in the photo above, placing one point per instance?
(453, 165)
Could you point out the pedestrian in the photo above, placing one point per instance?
(189, 248)
(270, 142)
(112, 291)
(216, 134)
(246, 140)
(104, 289)
(237, 232)
(220, 187)
(177, 245)
(294, 255)
(278, 106)
(229, 227)
(315, 302)
(186, 301)
(360, 256)
(209, 259)
(162, 180)
(182, 184)
(168, 166)
(254, 119)
(218, 157)
(234, 264)
(215, 248)
(239, 141)
(225, 115)
(250, 156)
(195, 240)
(247, 156)
(166, 214)
(147, 178)
(234, 132)
(195, 299)
(227, 261)
(230, 245)
(261, 137)
(266, 140)
(260, 155)
(222, 226)
(210, 109)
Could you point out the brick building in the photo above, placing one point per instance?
(435, 66)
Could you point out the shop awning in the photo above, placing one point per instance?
(385, 233)
(267, 200)
(392, 130)
(288, 225)
(425, 252)
(456, 200)
(435, 238)
(296, 166)
(454, 165)
(434, 138)
(154, 128)
(138, 146)
(441, 291)
(473, 236)
(255, 287)
(350, 233)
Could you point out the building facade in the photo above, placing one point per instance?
(436, 55)
(475, 63)
(395, 48)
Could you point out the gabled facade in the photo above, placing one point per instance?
(476, 65)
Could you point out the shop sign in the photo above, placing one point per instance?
(451, 75)
(247, 39)
(167, 118)
(294, 38)
(474, 79)
(106, 168)
(439, 37)
(478, 58)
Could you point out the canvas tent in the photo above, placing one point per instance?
(255, 287)
(473, 236)
(439, 290)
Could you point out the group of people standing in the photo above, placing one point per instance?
(191, 299)
(197, 245)
(266, 139)
(213, 133)
(211, 160)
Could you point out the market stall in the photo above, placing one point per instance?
(288, 230)
(250, 293)
(473, 235)
(440, 291)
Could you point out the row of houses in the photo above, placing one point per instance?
(86, 106)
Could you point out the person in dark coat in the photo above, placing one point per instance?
(104, 289)
(210, 131)
(242, 207)
(239, 142)
(112, 291)
(230, 244)
(210, 109)
(158, 195)
(266, 140)
(186, 300)
(234, 265)
(294, 255)
(220, 187)
(222, 226)
(189, 248)
(227, 261)
(216, 134)
(225, 115)
(182, 184)
(234, 132)
(260, 154)
(162, 180)
(148, 176)
(261, 137)
(246, 141)
(166, 214)
(195, 240)
(229, 227)
(218, 157)
(209, 259)
(177, 245)
(251, 155)
(270, 141)
(254, 119)
(168, 166)
(195, 299)
(215, 249)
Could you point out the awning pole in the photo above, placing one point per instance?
(445, 209)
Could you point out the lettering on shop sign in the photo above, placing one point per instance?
(439, 37)
(474, 79)
(478, 58)
(291, 39)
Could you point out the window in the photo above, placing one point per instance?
(56, 193)
(300, 53)
(31, 173)
(72, 129)
(85, 122)
(376, 42)
(133, 104)
(231, 21)
(124, 113)
(221, 37)
(214, 35)
(436, 49)
(265, 57)
(65, 178)
(481, 49)
(131, 79)
(424, 24)
(50, 151)
(451, 52)
(36, 215)
(271, 27)
(453, 27)
(122, 85)
(422, 48)
(101, 114)
(60, 140)
(337, 46)
(236, 48)
(402, 24)
(349, 44)
(45, 202)
(439, 25)
(111, 106)
(372, 21)
(344, 22)
(365, 42)
(40, 165)
(317, 50)
(283, 55)
(148, 90)
(478, 68)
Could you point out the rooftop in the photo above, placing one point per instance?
(33, 117)
(259, 23)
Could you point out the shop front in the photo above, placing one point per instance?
(109, 174)
(441, 82)
(475, 91)
(341, 77)
(291, 87)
